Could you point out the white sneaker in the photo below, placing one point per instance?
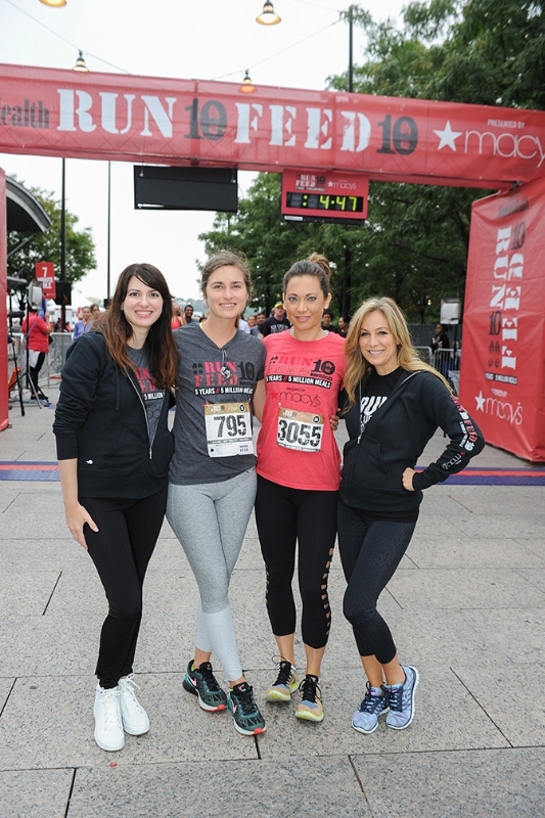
(135, 719)
(109, 733)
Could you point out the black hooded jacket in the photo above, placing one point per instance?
(101, 420)
(395, 437)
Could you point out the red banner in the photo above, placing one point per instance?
(54, 112)
(4, 419)
(503, 373)
(44, 272)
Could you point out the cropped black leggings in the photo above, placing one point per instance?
(284, 516)
(370, 552)
(121, 550)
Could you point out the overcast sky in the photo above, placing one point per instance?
(187, 39)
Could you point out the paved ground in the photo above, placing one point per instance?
(467, 608)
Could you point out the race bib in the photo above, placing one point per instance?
(301, 431)
(228, 429)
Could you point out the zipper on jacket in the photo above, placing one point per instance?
(393, 394)
(145, 413)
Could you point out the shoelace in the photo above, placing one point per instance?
(208, 676)
(395, 698)
(371, 703)
(245, 699)
(283, 674)
(127, 686)
(109, 700)
(310, 689)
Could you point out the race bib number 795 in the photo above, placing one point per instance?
(228, 429)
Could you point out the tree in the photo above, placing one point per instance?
(414, 244)
(272, 245)
(80, 248)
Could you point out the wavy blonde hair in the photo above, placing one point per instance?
(407, 356)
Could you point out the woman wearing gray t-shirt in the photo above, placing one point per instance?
(212, 476)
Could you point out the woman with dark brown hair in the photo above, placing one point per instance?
(114, 449)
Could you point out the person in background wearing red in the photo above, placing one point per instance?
(36, 331)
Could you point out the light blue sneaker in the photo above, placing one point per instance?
(401, 700)
(374, 704)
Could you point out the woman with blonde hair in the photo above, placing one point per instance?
(394, 403)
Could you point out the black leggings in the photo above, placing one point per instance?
(34, 372)
(283, 516)
(121, 550)
(370, 552)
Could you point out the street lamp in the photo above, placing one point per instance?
(81, 67)
(80, 64)
(109, 231)
(268, 16)
(346, 298)
(247, 86)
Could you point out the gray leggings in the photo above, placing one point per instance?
(210, 520)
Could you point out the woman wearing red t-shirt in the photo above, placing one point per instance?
(36, 331)
(298, 469)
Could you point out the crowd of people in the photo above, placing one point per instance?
(123, 468)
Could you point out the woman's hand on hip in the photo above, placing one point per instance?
(76, 517)
(408, 478)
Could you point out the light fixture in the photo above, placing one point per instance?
(268, 16)
(247, 87)
(54, 3)
(80, 64)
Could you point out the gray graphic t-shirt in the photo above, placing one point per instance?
(209, 374)
(151, 396)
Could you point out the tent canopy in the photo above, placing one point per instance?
(24, 212)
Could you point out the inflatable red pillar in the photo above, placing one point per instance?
(4, 420)
(502, 379)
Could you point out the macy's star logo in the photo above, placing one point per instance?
(480, 401)
(447, 137)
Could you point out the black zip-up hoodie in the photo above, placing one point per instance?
(395, 437)
(101, 420)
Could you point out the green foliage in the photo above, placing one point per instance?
(414, 244)
(80, 248)
(271, 244)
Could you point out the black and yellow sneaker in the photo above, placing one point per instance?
(286, 684)
(310, 707)
(203, 684)
(241, 703)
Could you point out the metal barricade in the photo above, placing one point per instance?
(54, 360)
(425, 353)
(446, 361)
(60, 341)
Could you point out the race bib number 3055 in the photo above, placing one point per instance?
(302, 431)
(228, 429)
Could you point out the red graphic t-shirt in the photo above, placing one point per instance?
(296, 445)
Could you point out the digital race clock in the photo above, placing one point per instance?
(324, 196)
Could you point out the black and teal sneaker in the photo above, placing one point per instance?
(203, 684)
(241, 703)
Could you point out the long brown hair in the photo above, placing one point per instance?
(407, 356)
(160, 344)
